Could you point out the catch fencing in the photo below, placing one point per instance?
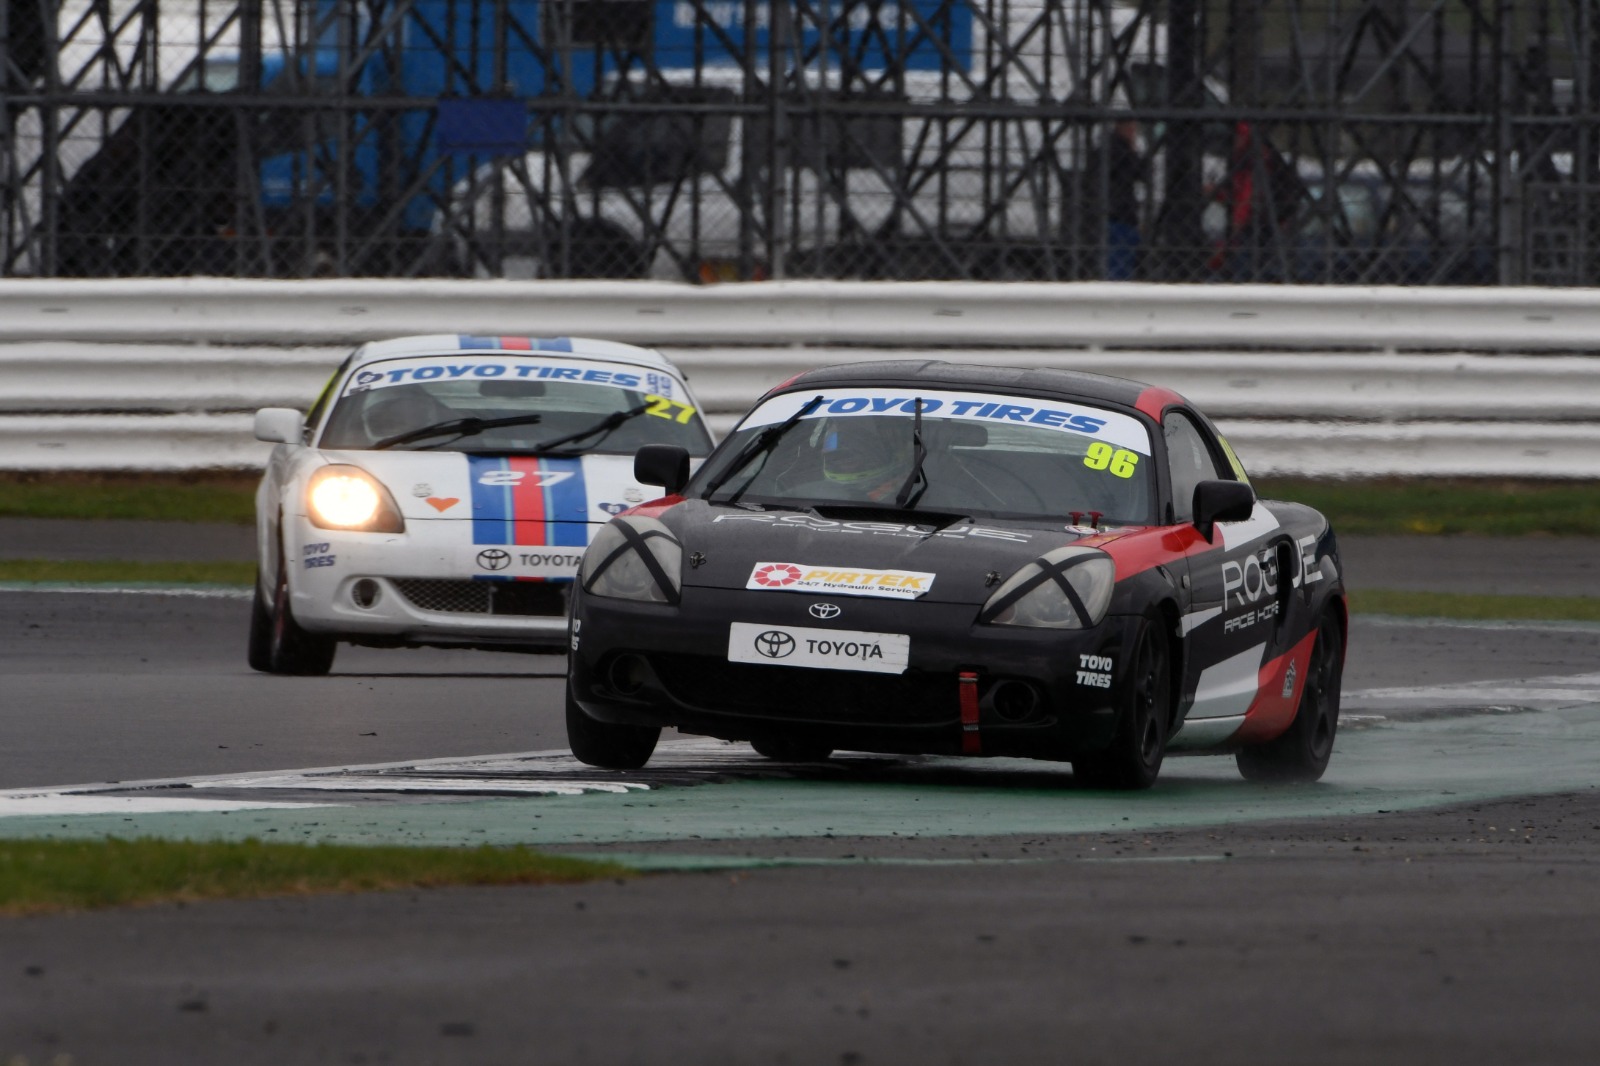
(1330, 382)
(1451, 142)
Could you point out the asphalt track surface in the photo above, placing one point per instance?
(1433, 900)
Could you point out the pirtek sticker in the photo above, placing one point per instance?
(837, 581)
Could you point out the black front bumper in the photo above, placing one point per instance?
(652, 664)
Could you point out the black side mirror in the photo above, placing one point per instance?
(1221, 501)
(666, 465)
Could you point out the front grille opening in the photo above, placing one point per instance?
(541, 599)
(811, 695)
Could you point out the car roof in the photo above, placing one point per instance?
(1059, 384)
(445, 343)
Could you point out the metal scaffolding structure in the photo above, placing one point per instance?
(1313, 141)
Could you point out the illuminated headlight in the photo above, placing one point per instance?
(1069, 588)
(347, 497)
(633, 558)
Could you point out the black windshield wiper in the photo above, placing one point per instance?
(605, 425)
(905, 497)
(461, 427)
(764, 442)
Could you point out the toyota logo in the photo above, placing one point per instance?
(825, 611)
(774, 644)
(494, 559)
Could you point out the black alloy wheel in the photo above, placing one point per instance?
(1301, 754)
(278, 644)
(1133, 759)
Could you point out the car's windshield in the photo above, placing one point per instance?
(986, 453)
(506, 404)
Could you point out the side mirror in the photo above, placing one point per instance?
(666, 465)
(279, 425)
(1221, 501)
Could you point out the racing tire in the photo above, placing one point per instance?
(1133, 759)
(1301, 753)
(785, 750)
(608, 746)
(280, 645)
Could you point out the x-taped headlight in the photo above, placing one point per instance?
(1069, 588)
(633, 558)
(347, 497)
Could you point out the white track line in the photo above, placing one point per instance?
(558, 773)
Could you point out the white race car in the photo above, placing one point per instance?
(442, 490)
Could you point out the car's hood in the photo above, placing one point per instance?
(853, 553)
(431, 486)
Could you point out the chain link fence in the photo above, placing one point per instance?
(1310, 141)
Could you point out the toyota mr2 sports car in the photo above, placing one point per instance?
(922, 557)
(442, 489)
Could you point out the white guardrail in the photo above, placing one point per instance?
(1333, 382)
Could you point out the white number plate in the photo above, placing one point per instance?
(823, 649)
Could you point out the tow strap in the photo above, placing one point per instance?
(971, 742)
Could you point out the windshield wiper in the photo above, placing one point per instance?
(605, 425)
(461, 427)
(764, 442)
(905, 498)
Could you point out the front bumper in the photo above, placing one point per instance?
(422, 587)
(653, 664)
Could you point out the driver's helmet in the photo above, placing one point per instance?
(400, 409)
(864, 451)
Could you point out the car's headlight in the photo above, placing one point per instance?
(633, 558)
(1069, 588)
(347, 497)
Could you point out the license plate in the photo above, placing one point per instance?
(819, 649)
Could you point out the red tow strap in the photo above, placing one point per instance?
(971, 742)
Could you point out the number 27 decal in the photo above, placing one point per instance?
(662, 407)
(541, 478)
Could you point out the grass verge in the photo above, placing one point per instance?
(54, 875)
(117, 571)
(1446, 505)
(1383, 506)
(200, 496)
(1469, 607)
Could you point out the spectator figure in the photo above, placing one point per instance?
(1125, 169)
(1262, 193)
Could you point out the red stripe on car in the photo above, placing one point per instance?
(1140, 550)
(528, 502)
(1272, 711)
(1154, 401)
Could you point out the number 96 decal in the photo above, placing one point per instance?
(1119, 462)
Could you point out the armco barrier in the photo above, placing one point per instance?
(895, 314)
(162, 375)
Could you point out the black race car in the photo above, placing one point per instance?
(925, 557)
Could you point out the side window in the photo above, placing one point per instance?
(314, 415)
(1190, 462)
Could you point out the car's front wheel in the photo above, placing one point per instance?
(608, 746)
(278, 645)
(1133, 759)
(1301, 753)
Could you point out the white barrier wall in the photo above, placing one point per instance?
(163, 374)
(896, 314)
